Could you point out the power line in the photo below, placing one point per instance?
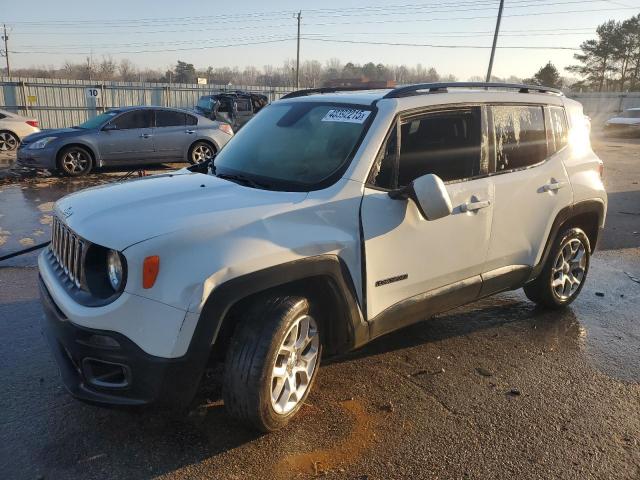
(431, 45)
(171, 49)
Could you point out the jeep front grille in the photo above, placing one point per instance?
(67, 248)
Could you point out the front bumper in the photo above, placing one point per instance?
(44, 158)
(106, 368)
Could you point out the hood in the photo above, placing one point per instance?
(57, 132)
(623, 121)
(122, 214)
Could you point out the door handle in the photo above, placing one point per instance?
(190, 132)
(553, 186)
(146, 135)
(475, 206)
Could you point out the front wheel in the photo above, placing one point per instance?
(75, 161)
(272, 363)
(565, 271)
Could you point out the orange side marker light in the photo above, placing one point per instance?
(150, 270)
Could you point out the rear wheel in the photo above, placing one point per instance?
(201, 152)
(8, 141)
(565, 271)
(272, 363)
(75, 161)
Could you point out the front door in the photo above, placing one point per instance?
(244, 111)
(409, 258)
(131, 140)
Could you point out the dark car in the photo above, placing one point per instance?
(235, 108)
(128, 135)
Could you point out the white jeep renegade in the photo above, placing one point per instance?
(330, 219)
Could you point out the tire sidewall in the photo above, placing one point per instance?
(16, 138)
(196, 145)
(573, 233)
(64, 151)
(268, 415)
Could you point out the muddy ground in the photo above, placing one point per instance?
(496, 389)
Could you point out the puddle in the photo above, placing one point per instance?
(342, 454)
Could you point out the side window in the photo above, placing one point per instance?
(134, 119)
(520, 136)
(167, 118)
(191, 120)
(383, 173)
(243, 105)
(447, 144)
(559, 128)
(2, 116)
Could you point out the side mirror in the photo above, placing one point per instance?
(109, 126)
(429, 194)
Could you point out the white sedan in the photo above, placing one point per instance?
(13, 128)
(626, 122)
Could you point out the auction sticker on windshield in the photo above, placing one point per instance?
(347, 115)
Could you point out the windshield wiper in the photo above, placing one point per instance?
(243, 180)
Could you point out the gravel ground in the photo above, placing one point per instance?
(495, 389)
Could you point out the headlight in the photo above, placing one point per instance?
(114, 270)
(43, 142)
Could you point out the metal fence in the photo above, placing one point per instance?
(602, 105)
(60, 103)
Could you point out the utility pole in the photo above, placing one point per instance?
(5, 37)
(298, 16)
(495, 41)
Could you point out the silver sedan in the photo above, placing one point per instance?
(126, 136)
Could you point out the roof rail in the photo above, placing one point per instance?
(311, 91)
(443, 87)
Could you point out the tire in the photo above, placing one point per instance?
(260, 367)
(75, 161)
(201, 152)
(9, 141)
(564, 272)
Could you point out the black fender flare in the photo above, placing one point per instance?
(566, 214)
(229, 293)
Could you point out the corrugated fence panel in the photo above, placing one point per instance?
(58, 103)
(601, 106)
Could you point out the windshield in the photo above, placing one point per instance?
(631, 114)
(206, 104)
(295, 144)
(97, 121)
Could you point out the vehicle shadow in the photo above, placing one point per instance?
(542, 326)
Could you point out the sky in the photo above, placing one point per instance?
(157, 33)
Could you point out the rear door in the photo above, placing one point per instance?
(407, 257)
(530, 182)
(170, 135)
(131, 140)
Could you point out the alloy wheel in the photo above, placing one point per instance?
(295, 364)
(8, 142)
(201, 153)
(75, 162)
(569, 269)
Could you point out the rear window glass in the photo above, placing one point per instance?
(559, 128)
(521, 140)
(168, 118)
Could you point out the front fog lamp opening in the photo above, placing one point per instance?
(114, 270)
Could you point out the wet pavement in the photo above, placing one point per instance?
(496, 389)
